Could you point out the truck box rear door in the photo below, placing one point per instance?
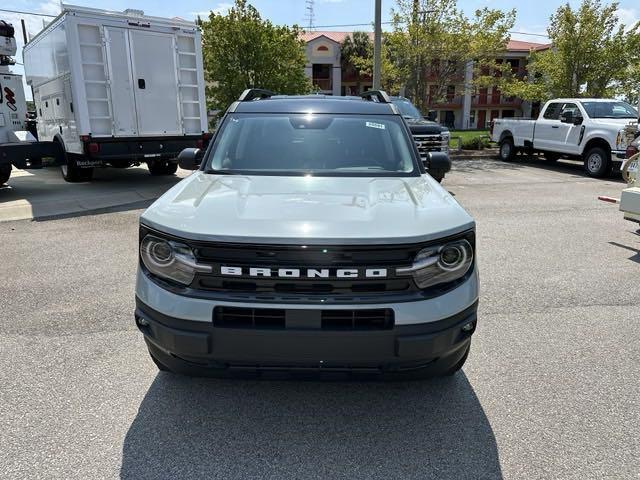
(121, 80)
(155, 83)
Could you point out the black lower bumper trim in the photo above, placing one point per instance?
(199, 344)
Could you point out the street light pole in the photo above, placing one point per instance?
(377, 45)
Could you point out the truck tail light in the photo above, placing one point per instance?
(631, 151)
(204, 141)
(93, 147)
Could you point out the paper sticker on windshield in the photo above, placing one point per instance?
(375, 125)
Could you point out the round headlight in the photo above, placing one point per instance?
(440, 263)
(452, 257)
(161, 252)
(170, 260)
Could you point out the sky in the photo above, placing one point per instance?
(532, 16)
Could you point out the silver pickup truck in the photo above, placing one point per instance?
(309, 239)
(588, 129)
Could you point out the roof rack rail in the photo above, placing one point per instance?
(253, 93)
(376, 96)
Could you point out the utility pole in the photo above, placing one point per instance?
(377, 45)
(311, 16)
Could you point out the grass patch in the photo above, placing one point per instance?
(468, 137)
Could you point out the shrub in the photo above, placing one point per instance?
(475, 143)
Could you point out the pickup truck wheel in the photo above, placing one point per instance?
(597, 162)
(507, 150)
(71, 172)
(5, 173)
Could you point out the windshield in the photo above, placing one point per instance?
(609, 110)
(323, 144)
(407, 109)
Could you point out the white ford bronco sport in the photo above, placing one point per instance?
(309, 239)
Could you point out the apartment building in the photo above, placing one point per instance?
(462, 108)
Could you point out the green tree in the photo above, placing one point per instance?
(241, 50)
(592, 55)
(356, 53)
(432, 40)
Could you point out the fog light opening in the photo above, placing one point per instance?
(143, 322)
(469, 327)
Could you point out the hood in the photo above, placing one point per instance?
(616, 123)
(424, 126)
(313, 210)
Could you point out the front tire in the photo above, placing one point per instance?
(507, 150)
(5, 173)
(597, 162)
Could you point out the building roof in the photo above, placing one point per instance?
(338, 37)
(520, 46)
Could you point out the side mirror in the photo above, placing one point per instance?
(578, 120)
(190, 158)
(432, 115)
(566, 117)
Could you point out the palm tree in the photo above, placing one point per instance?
(354, 49)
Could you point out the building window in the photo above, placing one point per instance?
(321, 76)
(451, 92)
(472, 119)
(322, 48)
(508, 113)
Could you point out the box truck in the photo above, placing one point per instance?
(117, 89)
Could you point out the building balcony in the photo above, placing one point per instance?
(495, 100)
(450, 102)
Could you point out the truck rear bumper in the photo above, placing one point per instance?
(140, 149)
(194, 347)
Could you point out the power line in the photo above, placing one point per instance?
(389, 23)
(27, 13)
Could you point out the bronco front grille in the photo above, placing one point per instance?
(274, 257)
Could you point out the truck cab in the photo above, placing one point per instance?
(588, 129)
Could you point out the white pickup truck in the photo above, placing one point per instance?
(588, 129)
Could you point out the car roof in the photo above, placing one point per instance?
(314, 104)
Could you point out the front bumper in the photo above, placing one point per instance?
(184, 346)
(427, 334)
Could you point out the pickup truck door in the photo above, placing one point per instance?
(570, 133)
(547, 131)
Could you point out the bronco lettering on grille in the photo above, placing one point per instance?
(304, 272)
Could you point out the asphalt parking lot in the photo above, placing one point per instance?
(551, 389)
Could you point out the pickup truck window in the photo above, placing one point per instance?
(609, 110)
(407, 109)
(553, 111)
(318, 144)
(570, 108)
